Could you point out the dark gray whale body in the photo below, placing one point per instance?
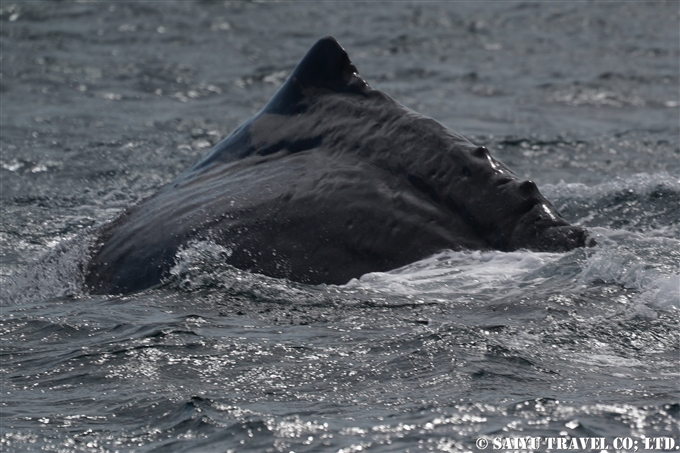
(330, 180)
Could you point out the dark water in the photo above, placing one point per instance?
(104, 102)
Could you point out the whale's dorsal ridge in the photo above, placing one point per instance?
(325, 66)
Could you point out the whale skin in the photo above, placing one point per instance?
(331, 180)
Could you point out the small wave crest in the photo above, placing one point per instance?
(58, 274)
(635, 261)
(467, 274)
(641, 202)
(201, 266)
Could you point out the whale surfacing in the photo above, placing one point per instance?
(332, 179)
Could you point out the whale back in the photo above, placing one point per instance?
(331, 180)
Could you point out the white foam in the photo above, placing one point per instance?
(635, 261)
(663, 292)
(447, 273)
(639, 262)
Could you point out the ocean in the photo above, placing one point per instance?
(102, 103)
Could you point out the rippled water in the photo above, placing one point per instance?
(103, 103)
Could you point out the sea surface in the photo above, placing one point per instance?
(102, 103)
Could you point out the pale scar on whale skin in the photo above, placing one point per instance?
(332, 179)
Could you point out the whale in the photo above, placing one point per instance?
(332, 179)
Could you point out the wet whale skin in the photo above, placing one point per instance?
(332, 179)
